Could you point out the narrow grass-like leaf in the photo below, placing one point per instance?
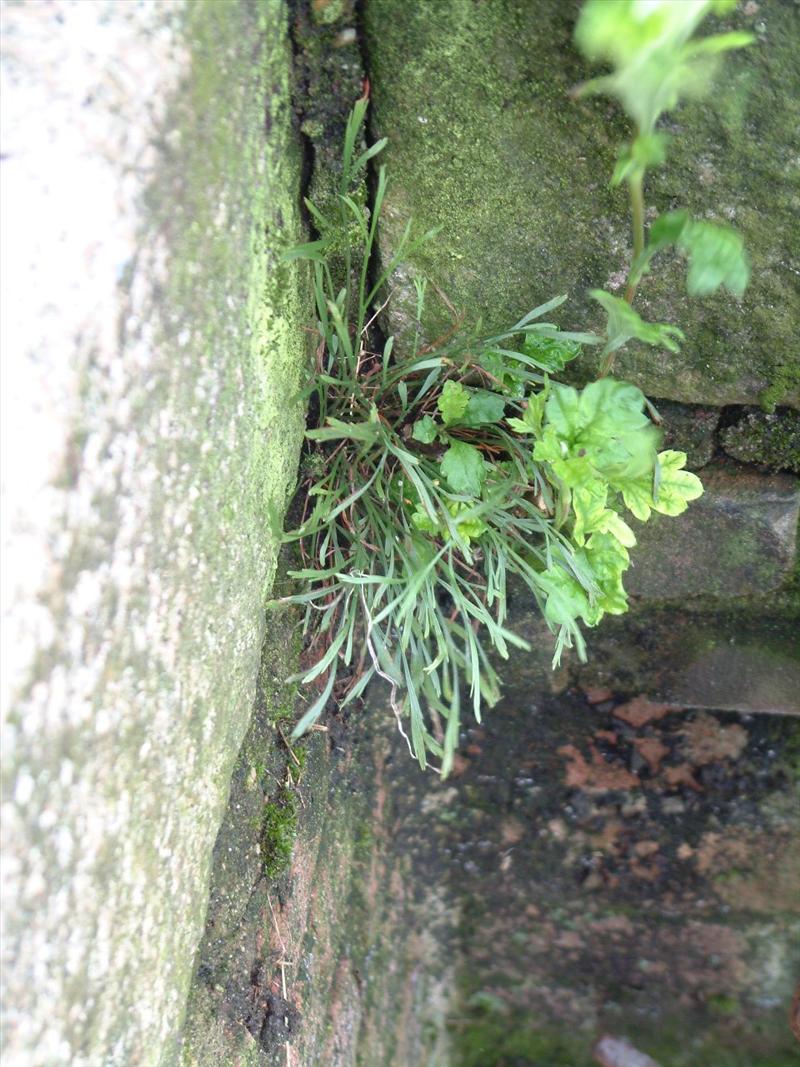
(315, 710)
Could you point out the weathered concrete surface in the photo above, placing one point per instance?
(151, 353)
(485, 142)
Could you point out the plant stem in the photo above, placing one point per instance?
(636, 185)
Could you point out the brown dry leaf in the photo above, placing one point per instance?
(460, 765)
(719, 852)
(646, 848)
(597, 776)
(640, 711)
(598, 695)
(635, 807)
(569, 939)
(648, 872)
(652, 751)
(615, 925)
(607, 840)
(708, 741)
(511, 830)
(558, 829)
(681, 775)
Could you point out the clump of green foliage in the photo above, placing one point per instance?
(437, 475)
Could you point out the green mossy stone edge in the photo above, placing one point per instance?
(229, 292)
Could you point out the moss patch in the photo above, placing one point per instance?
(771, 440)
(503, 1042)
(278, 832)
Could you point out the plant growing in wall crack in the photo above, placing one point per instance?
(436, 475)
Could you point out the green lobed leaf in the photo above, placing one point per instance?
(533, 414)
(611, 522)
(505, 373)
(589, 506)
(482, 408)
(638, 497)
(593, 440)
(646, 150)
(520, 425)
(648, 44)
(716, 253)
(469, 529)
(420, 520)
(551, 353)
(665, 231)
(464, 468)
(604, 410)
(424, 430)
(452, 402)
(604, 559)
(716, 257)
(624, 324)
(608, 559)
(676, 487)
(566, 599)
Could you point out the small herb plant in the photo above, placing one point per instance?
(436, 476)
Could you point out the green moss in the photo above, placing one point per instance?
(326, 12)
(784, 386)
(770, 440)
(217, 1043)
(495, 1043)
(723, 1005)
(278, 832)
(235, 170)
(494, 1038)
(228, 200)
(364, 843)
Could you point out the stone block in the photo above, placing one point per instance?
(731, 662)
(342, 956)
(737, 540)
(152, 350)
(485, 141)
